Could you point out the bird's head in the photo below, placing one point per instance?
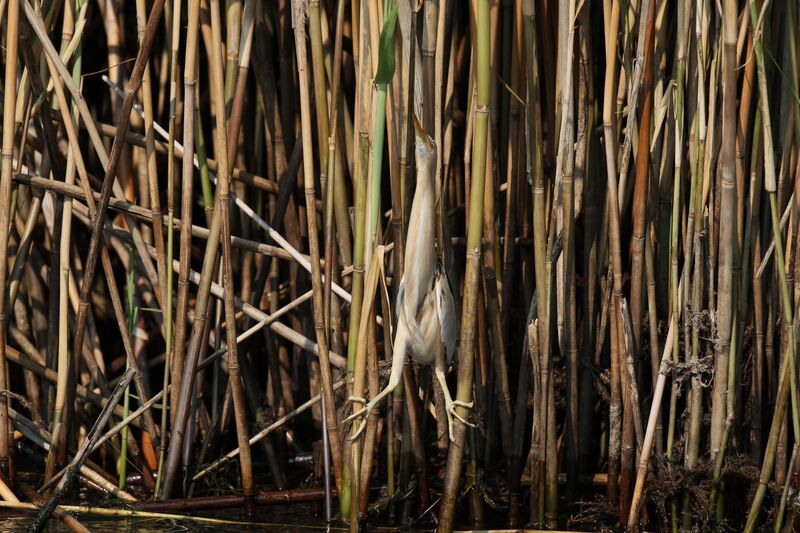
(425, 147)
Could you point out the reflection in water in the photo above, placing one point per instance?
(300, 516)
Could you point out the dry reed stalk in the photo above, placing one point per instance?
(58, 433)
(631, 417)
(189, 82)
(534, 149)
(69, 521)
(117, 305)
(475, 230)
(359, 379)
(615, 408)
(6, 213)
(223, 198)
(111, 169)
(698, 280)
(42, 516)
(174, 38)
(565, 164)
(728, 217)
(642, 182)
(154, 200)
(308, 171)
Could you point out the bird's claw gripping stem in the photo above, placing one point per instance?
(357, 399)
(365, 411)
(451, 413)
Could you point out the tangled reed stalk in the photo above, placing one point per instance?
(615, 191)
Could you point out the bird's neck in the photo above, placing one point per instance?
(425, 178)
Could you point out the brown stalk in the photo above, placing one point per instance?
(108, 271)
(641, 185)
(640, 195)
(313, 237)
(223, 199)
(154, 199)
(189, 82)
(46, 510)
(111, 169)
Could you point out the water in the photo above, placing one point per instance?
(296, 518)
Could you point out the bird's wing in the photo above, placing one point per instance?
(413, 333)
(446, 311)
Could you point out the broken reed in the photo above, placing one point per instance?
(615, 190)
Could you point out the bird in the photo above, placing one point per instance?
(427, 322)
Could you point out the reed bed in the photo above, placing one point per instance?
(611, 190)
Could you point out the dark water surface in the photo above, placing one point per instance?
(296, 518)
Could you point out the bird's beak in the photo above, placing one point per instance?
(421, 133)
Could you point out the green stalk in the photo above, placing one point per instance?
(386, 67)
(696, 394)
(755, 185)
(785, 493)
(533, 119)
(675, 218)
(171, 166)
(360, 190)
(123, 455)
(358, 254)
(383, 76)
(202, 159)
(787, 372)
(378, 131)
(168, 311)
(474, 234)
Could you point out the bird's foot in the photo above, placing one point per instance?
(357, 399)
(451, 414)
(365, 411)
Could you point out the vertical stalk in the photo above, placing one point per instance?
(535, 171)
(787, 370)
(96, 242)
(150, 156)
(171, 164)
(223, 212)
(727, 227)
(130, 289)
(640, 192)
(313, 241)
(187, 179)
(6, 174)
(474, 233)
(565, 168)
(615, 409)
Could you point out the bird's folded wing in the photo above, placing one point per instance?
(448, 320)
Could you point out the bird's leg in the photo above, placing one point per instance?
(368, 408)
(398, 357)
(450, 404)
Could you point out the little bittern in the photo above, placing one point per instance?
(426, 314)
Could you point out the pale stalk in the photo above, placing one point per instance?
(6, 171)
